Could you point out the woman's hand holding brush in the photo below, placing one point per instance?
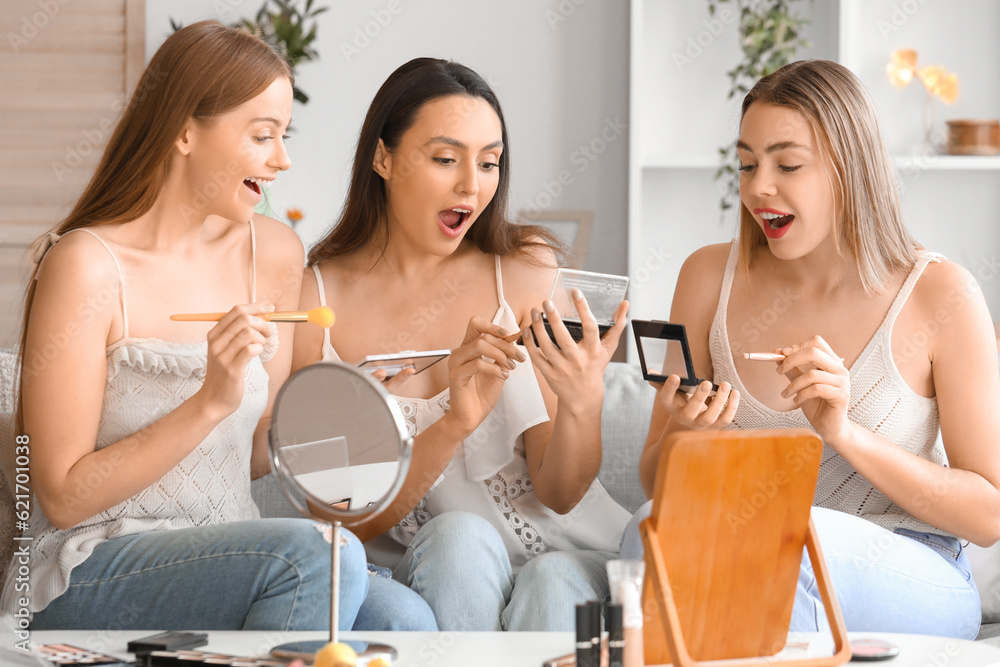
(232, 343)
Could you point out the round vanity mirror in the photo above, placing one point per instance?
(340, 450)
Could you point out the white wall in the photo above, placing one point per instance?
(559, 67)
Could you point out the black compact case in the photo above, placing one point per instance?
(575, 330)
(184, 658)
(664, 351)
(167, 641)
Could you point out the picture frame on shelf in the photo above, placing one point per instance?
(572, 228)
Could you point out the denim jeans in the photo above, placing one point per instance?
(390, 605)
(458, 563)
(265, 574)
(902, 581)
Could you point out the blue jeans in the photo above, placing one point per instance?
(459, 564)
(265, 574)
(903, 581)
(390, 605)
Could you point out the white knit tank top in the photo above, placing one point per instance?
(148, 378)
(881, 402)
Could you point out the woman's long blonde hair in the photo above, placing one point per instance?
(868, 217)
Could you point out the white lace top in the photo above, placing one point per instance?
(488, 474)
(148, 378)
(881, 401)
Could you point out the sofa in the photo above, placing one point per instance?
(627, 404)
(628, 401)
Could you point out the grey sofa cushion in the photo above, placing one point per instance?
(628, 402)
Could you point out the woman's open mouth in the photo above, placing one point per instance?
(776, 224)
(256, 186)
(452, 220)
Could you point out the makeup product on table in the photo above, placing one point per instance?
(583, 645)
(203, 658)
(321, 316)
(568, 660)
(625, 579)
(616, 637)
(167, 641)
(64, 654)
(595, 632)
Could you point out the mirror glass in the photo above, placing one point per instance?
(339, 443)
(663, 356)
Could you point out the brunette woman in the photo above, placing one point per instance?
(505, 523)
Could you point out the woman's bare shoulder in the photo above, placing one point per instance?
(278, 240)
(78, 259)
(701, 275)
(528, 277)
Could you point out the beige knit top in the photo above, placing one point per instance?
(881, 401)
(148, 378)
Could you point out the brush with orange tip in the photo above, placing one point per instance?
(321, 316)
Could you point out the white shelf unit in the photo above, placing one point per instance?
(680, 116)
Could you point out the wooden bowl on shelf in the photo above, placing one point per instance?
(974, 137)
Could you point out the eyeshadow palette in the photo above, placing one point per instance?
(196, 658)
(64, 654)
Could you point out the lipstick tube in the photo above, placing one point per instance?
(583, 644)
(616, 636)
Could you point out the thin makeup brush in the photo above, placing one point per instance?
(321, 316)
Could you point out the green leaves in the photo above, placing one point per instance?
(293, 31)
(770, 35)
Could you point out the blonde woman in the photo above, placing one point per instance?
(882, 343)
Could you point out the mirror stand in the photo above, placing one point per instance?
(340, 449)
(306, 650)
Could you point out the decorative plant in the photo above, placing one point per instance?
(282, 23)
(770, 35)
(938, 82)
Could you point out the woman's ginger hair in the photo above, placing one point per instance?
(868, 219)
(199, 72)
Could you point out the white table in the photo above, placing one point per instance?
(523, 649)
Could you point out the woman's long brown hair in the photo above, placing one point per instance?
(199, 72)
(365, 216)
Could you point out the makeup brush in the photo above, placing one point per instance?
(321, 316)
